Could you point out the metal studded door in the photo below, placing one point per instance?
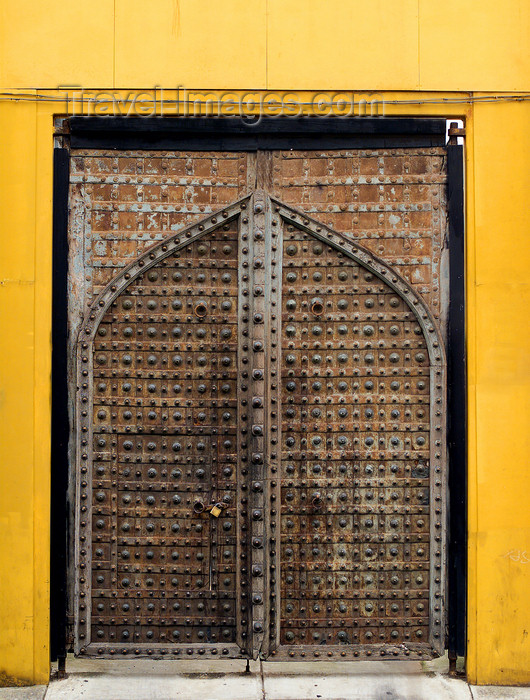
(360, 530)
(259, 422)
(160, 547)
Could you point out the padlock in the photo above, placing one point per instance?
(216, 510)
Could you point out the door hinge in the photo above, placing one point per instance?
(70, 633)
(454, 132)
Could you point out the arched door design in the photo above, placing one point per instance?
(260, 451)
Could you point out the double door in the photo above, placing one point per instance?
(258, 398)
(260, 449)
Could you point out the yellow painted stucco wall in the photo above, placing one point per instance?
(405, 50)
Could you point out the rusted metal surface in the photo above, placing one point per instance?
(122, 202)
(159, 551)
(362, 457)
(325, 404)
(392, 201)
(454, 132)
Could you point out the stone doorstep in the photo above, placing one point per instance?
(144, 679)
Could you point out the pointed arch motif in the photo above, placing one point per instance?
(365, 258)
(151, 257)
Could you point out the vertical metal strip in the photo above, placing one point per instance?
(273, 245)
(60, 428)
(438, 501)
(243, 611)
(83, 451)
(457, 409)
(259, 310)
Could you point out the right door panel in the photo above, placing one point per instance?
(362, 456)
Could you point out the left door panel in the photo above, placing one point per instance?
(157, 445)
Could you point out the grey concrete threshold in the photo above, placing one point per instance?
(144, 679)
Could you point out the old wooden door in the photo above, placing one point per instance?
(259, 410)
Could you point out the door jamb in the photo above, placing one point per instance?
(457, 409)
(60, 428)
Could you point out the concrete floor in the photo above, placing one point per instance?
(209, 680)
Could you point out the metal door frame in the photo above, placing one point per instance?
(235, 135)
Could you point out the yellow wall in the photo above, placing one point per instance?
(267, 44)
(25, 294)
(383, 45)
(499, 395)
